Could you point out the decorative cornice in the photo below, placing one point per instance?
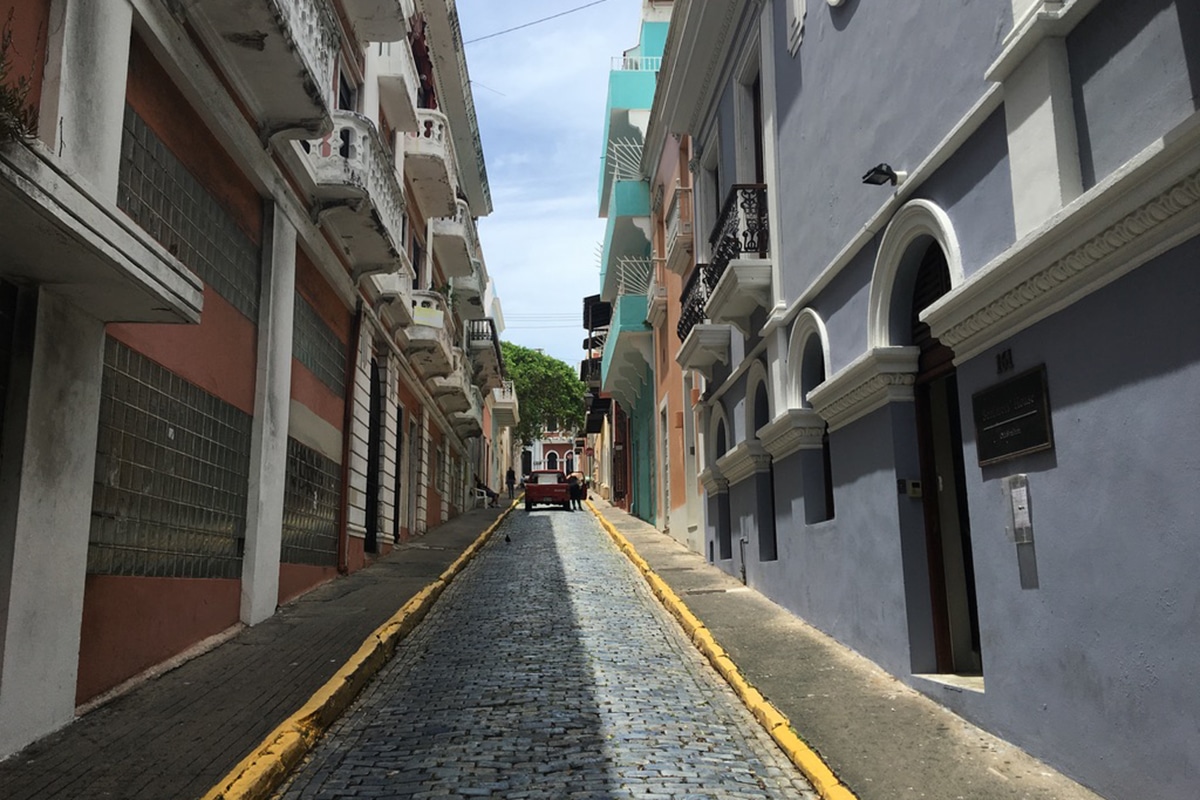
(714, 482)
(795, 429)
(878, 377)
(1014, 291)
(745, 460)
(704, 346)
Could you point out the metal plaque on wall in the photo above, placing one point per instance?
(1013, 418)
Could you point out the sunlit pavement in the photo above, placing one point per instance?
(547, 670)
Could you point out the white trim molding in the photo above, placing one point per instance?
(808, 323)
(714, 482)
(879, 376)
(748, 458)
(1144, 209)
(915, 219)
(794, 430)
(756, 374)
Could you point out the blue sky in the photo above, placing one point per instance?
(540, 96)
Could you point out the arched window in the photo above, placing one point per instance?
(808, 358)
(552, 460)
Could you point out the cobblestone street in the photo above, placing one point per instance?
(547, 670)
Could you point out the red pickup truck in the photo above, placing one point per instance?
(547, 487)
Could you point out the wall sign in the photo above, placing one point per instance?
(1013, 418)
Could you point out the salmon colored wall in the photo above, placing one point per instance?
(168, 113)
(218, 355)
(313, 287)
(131, 624)
(296, 579)
(306, 387)
(28, 24)
(356, 553)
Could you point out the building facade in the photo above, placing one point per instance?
(249, 336)
(918, 423)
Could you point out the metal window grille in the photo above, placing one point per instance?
(162, 197)
(172, 468)
(310, 507)
(317, 347)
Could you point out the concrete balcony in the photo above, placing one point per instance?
(377, 20)
(430, 337)
(679, 231)
(705, 346)
(430, 166)
(626, 366)
(468, 424)
(506, 409)
(484, 345)
(398, 82)
(469, 292)
(627, 234)
(55, 232)
(656, 294)
(741, 259)
(356, 194)
(390, 294)
(452, 392)
(278, 55)
(456, 242)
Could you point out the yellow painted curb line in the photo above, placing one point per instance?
(259, 774)
(772, 719)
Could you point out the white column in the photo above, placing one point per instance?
(83, 93)
(1043, 150)
(272, 403)
(47, 468)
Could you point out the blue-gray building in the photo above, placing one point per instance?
(947, 259)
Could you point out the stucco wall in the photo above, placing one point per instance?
(845, 103)
(1104, 651)
(1135, 70)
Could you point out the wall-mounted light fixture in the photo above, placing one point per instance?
(883, 173)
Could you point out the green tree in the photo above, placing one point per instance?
(549, 392)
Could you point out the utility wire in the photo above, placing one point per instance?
(536, 21)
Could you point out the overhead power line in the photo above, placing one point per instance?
(536, 21)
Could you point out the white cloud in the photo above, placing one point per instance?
(540, 95)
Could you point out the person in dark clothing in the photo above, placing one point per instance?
(493, 497)
(576, 492)
(511, 480)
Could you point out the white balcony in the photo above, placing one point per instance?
(456, 242)
(656, 295)
(377, 20)
(705, 346)
(430, 166)
(679, 231)
(452, 392)
(278, 55)
(469, 292)
(468, 424)
(505, 406)
(356, 194)
(390, 293)
(430, 337)
(398, 83)
(484, 345)
(741, 259)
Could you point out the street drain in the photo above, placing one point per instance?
(706, 591)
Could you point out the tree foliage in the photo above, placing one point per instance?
(549, 392)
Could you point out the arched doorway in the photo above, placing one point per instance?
(943, 478)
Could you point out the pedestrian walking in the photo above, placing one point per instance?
(510, 478)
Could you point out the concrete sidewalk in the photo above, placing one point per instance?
(882, 739)
(177, 735)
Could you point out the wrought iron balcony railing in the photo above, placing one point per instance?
(694, 297)
(742, 229)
